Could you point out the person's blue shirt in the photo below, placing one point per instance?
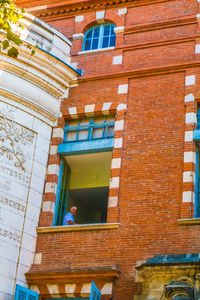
(68, 217)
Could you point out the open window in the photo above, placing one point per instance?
(85, 169)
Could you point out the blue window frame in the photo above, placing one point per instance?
(100, 36)
(88, 129)
(196, 137)
(22, 293)
(95, 293)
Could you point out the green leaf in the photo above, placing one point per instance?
(33, 52)
(13, 52)
(5, 44)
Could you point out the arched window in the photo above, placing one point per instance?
(100, 36)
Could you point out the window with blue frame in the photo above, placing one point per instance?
(87, 129)
(196, 137)
(100, 36)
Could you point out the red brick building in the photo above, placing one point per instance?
(140, 81)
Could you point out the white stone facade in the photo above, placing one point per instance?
(31, 88)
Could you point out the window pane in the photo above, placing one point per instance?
(106, 31)
(99, 120)
(83, 135)
(95, 43)
(71, 136)
(89, 35)
(97, 133)
(73, 123)
(96, 32)
(112, 41)
(88, 44)
(110, 132)
(110, 118)
(105, 42)
(112, 30)
(84, 121)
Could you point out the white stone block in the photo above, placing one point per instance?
(122, 11)
(119, 29)
(119, 125)
(106, 106)
(100, 15)
(35, 198)
(48, 206)
(39, 170)
(35, 288)
(188, 176)
(122, 106)
(86, 288)
(79, 19)
(78, 36)
(197, 49)
(31, 224)
(107, 289)
(112, 201)
(89, 108)
(74, 65)
(114, 182)
(37, 183)
(72, 111)
(116, 163)
(33, 213)
(198, 15)
(58, 132)
(37, 258)
(189, 157)
(50, 187)
(190, 118)
(53, 150)
(189, 98)
(190, 80)
(26, 257)
(118, 143)
(188, 136)
(123, 89)
(188, 197)
(117, 60)
(53, 289)
(53, 169)
(28, 242)
(70, 288)
(43, 143)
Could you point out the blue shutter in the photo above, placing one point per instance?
(95, 293)
(22, 293)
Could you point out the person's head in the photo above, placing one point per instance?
(73, 210)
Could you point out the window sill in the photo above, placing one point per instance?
(95, 50)
(194, 221)
(84, 227)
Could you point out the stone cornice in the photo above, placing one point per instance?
(48, 10)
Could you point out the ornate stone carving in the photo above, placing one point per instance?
(183, 288)
(12, 137)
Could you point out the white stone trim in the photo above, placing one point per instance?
(116, 163)
(188, 136)
(35, 288)
(89, 108)
(86, 288)
(117, 60)
(122, 11)
(100, 15)
(37, 258)
(53, 150)
(78, 36)
(58, 133)
(50, 187)
(53, 169)
(119, 125)
(112, 201)
(122, 106)
(74, 65)
(198, 15)
(72, 110)
(114, 182)
(190, 80)
(123, 89)
(188, 176)
(107, 289)
(53, 289)
(70, 288)
(188, 197)
(197, 49)
(189, 98)
(79, 19)
(190, 118)
(118, 143)
(189, 157)
(48, 206)
(96, 50)
(119, 29)
(106, 106)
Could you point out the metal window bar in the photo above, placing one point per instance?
(90, 128)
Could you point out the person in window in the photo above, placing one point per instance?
(69, 217)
